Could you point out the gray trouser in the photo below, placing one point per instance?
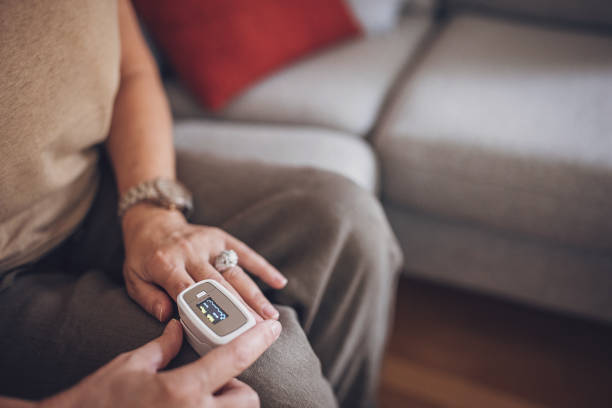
(69, 314)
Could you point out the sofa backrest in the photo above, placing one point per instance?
(583, 12)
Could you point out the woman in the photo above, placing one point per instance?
(76, 73)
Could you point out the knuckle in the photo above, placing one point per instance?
(184, 244)
(179, 286)
(194, 235)
(159, 259)
(212, 231)
(174, 279)
(175, 235)
(216, 230)
(126, 358)
(130, 289)
(232, 273)
(122, 357)
(129, 276)
(205, 273)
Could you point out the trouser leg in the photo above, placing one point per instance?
(331, 239)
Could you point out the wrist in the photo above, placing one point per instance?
(167, 193)
(139, 214)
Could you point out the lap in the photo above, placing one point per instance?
(59, 327)
(326, 234)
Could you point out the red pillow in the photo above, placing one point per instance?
(219, 47)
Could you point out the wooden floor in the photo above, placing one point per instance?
(451, 348)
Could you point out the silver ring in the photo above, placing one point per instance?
(226, 260)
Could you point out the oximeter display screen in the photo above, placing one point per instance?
(212, 311)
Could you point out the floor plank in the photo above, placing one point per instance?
(452, 348)
(458, 391)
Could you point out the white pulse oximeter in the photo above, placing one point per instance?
(211, 315)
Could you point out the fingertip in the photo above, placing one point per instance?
(162, 309)
(270, 311)
(158, 311)
(167, 309)
(278, 282)
(175, 328)
(170, 343)
(275, 327)
(172, 326)
(158, 352)
(149, 297)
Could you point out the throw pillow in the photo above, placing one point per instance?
(219, 48)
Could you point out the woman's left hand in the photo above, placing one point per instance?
(164, 254)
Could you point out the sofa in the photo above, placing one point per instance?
(485, 127)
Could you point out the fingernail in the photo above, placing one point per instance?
(269, 311)
(283, 281)
(158, 310)
(170, 323)
(176, 323)
(276, 328)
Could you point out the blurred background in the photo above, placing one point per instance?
(484, 127)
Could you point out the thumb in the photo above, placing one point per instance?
(157, 353)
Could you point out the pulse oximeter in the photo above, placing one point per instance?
(211, 315)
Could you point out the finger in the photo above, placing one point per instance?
(250, 292)
(255, 263)
(169, 273)
(226, 362)
(236, 394)
(157, 353)
(205, 270)
(149, 297)
(232, 383)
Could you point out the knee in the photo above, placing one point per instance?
(352, 215)
(289, 373)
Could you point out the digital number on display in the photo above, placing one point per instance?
(212, 311)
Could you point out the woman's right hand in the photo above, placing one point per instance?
(132, 379)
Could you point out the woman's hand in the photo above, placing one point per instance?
(132, 379)
(166, 253)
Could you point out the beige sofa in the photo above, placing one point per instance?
(484, 127)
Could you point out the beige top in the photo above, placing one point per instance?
(59, 73)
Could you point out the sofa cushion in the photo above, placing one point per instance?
(290, 146)
(509, 265)
(592, 12)
(508, 126)
(341, 88)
